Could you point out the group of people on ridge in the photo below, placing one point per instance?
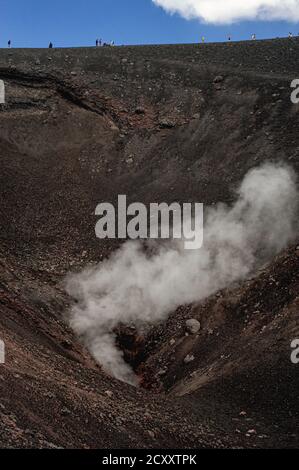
(100, 43)
(229, 38)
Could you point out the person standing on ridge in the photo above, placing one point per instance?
(97, 43)
(50, 46)
(9, 43)
(203, 39)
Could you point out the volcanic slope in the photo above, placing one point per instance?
(157, 123)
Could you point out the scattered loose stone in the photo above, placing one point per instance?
(251, 432)
(65, 412)
(189, 358)
(166, 124)
(218, 79)
(193, 326)
(139, 110)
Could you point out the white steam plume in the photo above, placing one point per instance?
(134, 287)
(231, 11)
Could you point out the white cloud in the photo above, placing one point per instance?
(231, 11)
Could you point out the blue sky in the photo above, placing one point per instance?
(33, 23)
